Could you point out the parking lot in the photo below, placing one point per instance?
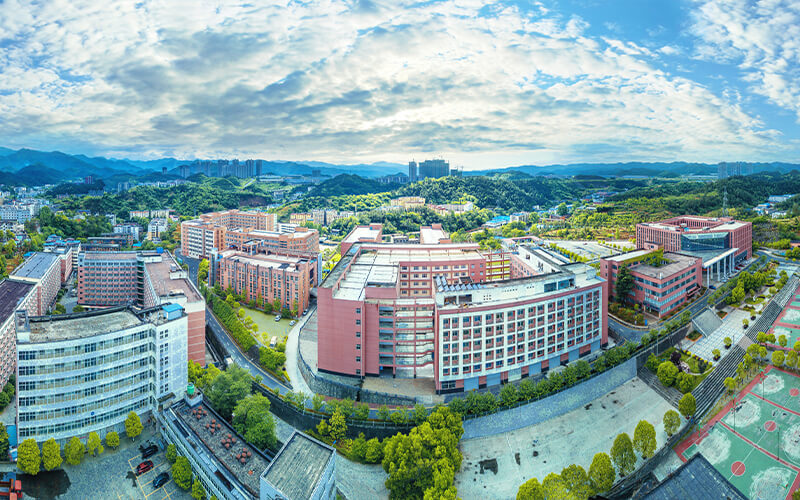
(111, 475)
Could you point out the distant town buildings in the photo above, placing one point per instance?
(155, 227)
(725, 170)
(464, 317)
(135, 230)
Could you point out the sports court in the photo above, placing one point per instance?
(755, 442)
(788, 322)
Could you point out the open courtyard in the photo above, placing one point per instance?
(495, 466)
(755, 440)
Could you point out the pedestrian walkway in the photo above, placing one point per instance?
(730, 327)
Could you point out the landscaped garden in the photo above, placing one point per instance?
(680, 369)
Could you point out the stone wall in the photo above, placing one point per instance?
(551, 406)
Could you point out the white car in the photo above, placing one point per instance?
(292, 323)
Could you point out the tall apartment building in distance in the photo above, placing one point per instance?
(721, 242)
(428, 168)
(46, 271)
(144, 280)
(79, 373)
(438, 310)
(725, 170)
(14, 296)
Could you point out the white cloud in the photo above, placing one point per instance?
(762, 37)
(352, 81)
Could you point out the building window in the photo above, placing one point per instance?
(358, 347)
(358, 335)
(358, 359)
(358, 310)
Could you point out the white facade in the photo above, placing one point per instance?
(81, 374)
(133, 229)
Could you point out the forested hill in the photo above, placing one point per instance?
(701, 198)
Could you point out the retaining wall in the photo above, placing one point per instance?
(304, 420)
(551, 406)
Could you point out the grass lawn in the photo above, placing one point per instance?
(268, 327)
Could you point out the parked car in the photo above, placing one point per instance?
(277, 318)
(160, 480)
(292, 323)
(144, 467)
(149, 451)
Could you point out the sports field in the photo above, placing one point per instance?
(788, 323)
(755, 441)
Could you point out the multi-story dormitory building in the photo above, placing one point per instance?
(442, 311)
(79, 373)
(234, 229)
(144, 280)
(267, 277)
(32, 287)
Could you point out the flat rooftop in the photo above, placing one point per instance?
(164, 285)
(676, 263)
(11, 292)
(109, 256)
(362, 233)
(298, 467)
(430, 235)
(67, 327)
(622, 257)
(696, 479)
(263, 260)
(36, 266)
(247, 473)
(379, 265)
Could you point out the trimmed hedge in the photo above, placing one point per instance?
(227, 316)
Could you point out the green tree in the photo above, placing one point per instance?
(51, 454)
(431, 447)
(362, 412)
(28, 457)
(384, 413)
(182, 472)
(317, 401)
(684, 382)
(782, 341)
(172, 453)
(198, 492)
(112, 439)
(337, 425)
(554, 487)
(601, 473)
(622, 455)
(4, 443)
(671, 422)
(577, 481)
(687, 405)
(202, 270)
(728, 342)
(374, 453)
(531, 490)
(420, 413)
(230, 387)
(93, 444)
(778, 358)
(74, 451)
(624, 283)
(253, 420)
(562, 209)
(644, 439)
(133, 425)
(667, 372)
(730, 384)
(791, 359)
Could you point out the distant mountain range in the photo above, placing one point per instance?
(29, 167)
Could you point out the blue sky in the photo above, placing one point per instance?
(482, 84)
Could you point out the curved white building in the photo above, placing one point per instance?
(84, 372)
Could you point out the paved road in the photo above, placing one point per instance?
(697, 307)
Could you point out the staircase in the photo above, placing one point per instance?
(670, 394)
(709, 390)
